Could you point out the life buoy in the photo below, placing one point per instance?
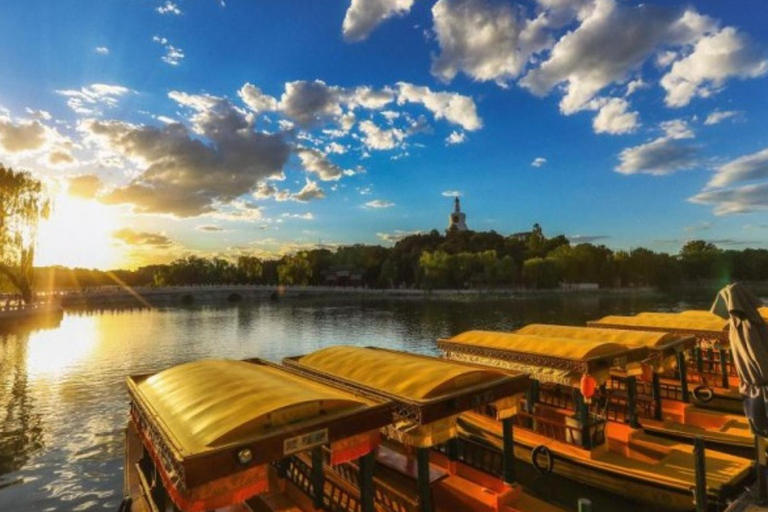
(703, 394)
(544, 469)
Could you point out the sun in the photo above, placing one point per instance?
(78, 234)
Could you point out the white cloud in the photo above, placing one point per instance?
(32, 137)
(315, 161)
(451, 193)
(744, 199)
(378, 138)
(363, 16)
(664, 155)
(336, 148)
(379, 203)
(721, 115)
(92, 99)
(612, 41)
(101, 50)
(635, 85)
(538, 161)
(745, 168)
(41, 115)
(456, 138)
(453, 107)
(169, 8)
(397, 235)
(173, 55)
(714, 59)
(310, 103)
(257, 100)
(299, 216)
(310, 191)
(613, 117)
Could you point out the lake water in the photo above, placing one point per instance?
(63, 405)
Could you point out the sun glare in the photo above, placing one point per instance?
(78, 234)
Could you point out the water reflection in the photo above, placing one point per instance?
(63, 405)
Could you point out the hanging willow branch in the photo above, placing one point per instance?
(23, 203)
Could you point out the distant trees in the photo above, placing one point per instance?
(23, 203)
(295, 270)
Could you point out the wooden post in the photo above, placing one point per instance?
(366, 464)
(699, 362)
(700, 492)
(584, 505)
(762, 492)
(452, 449)
(656, 390)
(582, 412)
(724, 368)
(318, 477)
(533, 395)
(682, 370)
(422, 477)
(509, 451)
(632, 402)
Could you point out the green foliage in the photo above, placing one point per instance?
(295, 270)
(23, 203)
(540, 273)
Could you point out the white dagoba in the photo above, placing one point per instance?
(457, 220)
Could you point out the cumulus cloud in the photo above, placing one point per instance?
(538, 161)
(363, 16)
(310, 103)
(183, 175)
(719, 116)
(173, 55)
(612, 41)
(309, 192)
(257, 100)
(32, 137)
(453, 107)
(456, 138)
(316, 162)
(744, 199)
(101, 50)
(745, 168)
(613, 117)
(85, 186)
(715, 58)
(664, 155)
(169, 8)
(91, 100)
(378, 138)
(379, 203)
(130, 237)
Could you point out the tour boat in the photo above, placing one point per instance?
(572, 441)
(656, 403)
(246, 436)
(716, 383)
(448, 475)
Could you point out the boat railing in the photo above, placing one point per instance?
(616, 403)
(387, 498)
(486, 459)
(336, 497)
(559, 430)
(708, 365)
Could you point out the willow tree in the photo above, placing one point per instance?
(23, 203)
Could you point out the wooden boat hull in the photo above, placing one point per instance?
(652, 491)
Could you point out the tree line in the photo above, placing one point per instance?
(452, 260)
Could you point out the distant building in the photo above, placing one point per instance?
(457, 220)
(343, 275)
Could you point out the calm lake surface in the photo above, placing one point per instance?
(63, 405)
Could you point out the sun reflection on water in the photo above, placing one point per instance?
(53, 353)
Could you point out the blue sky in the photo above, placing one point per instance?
(198, 127)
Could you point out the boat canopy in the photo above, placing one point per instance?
(559, 360)
(212, 426)
(428, 392)
(663, 346)
(667, 322)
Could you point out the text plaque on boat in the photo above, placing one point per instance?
(305, 441)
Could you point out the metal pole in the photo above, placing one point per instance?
(584, 505)
(762, 491)
(367, 494)
(656, 390)
(700, 492)
(509, 450)
(724, 368)
(632, 402)
(318, 477)
(422, 477)
(683, 376)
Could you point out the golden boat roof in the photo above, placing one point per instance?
(561, 353)
(209, 405)
(653, 340)
(668, 322)
(434, 387)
